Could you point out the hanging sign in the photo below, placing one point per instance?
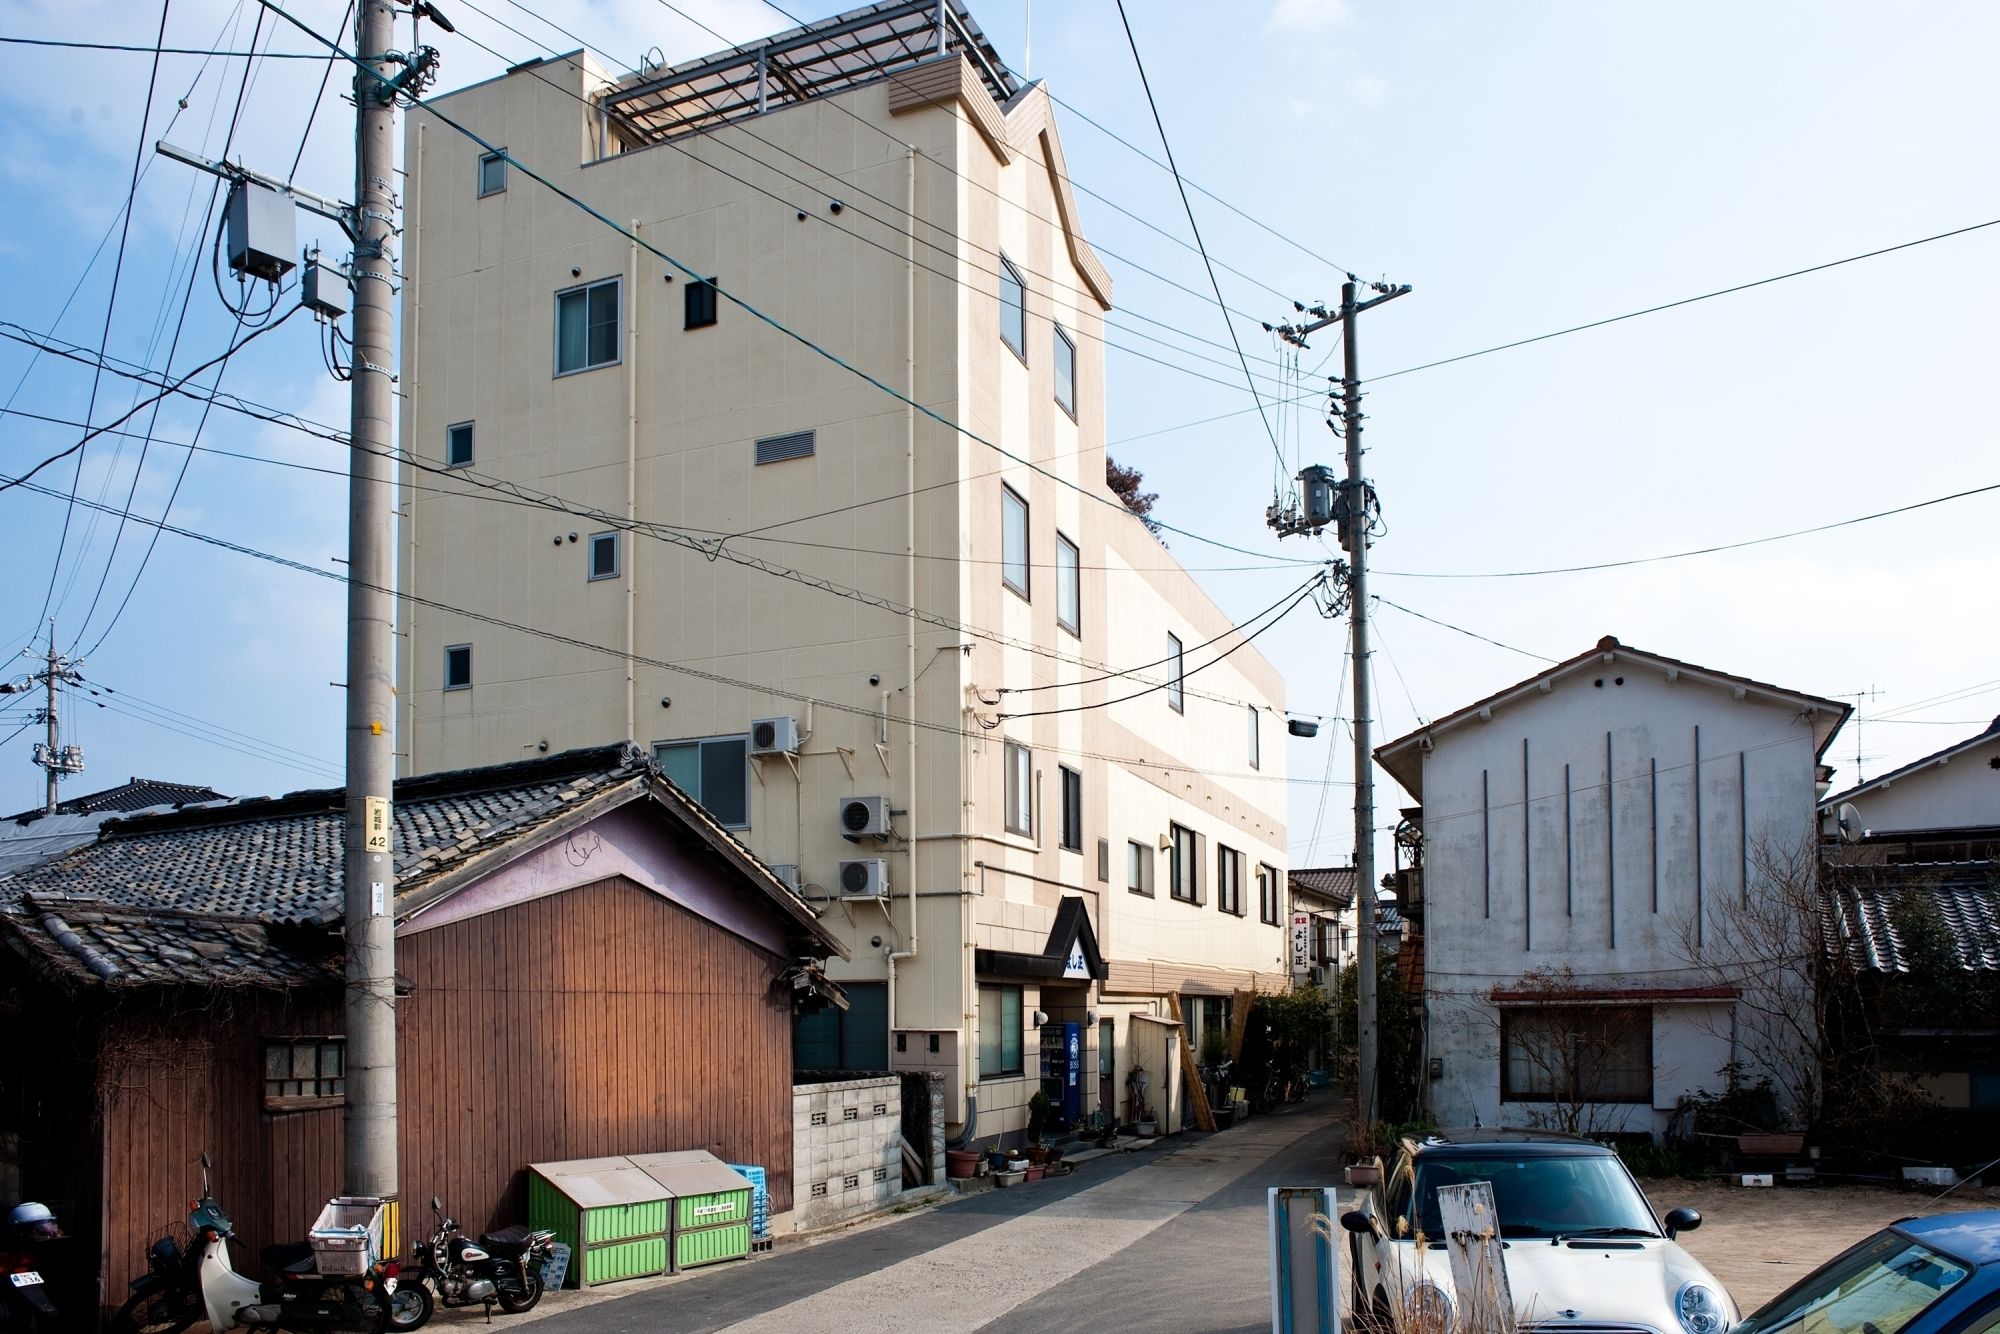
(1302, 923)
(1075, 965)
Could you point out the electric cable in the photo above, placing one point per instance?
(1473, 634)
(156, 50)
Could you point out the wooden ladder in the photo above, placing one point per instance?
(1204, 1116)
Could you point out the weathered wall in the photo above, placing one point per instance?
(846, 1134)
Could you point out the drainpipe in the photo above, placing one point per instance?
(909, 548)
(628, 551)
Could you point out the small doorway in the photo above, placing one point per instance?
(1107, 1070)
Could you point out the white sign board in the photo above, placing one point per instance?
(1478, 1266)
(1302, 928)
(1075, 965)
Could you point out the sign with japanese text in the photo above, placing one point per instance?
(1302, 924)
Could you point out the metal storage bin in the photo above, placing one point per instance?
(711, 1205)
(347, 1236)
(613, 1216)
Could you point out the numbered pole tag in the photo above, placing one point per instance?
(375, 824)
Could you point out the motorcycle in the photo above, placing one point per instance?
(25, 1306)
(183, 1287)
(503, 1267)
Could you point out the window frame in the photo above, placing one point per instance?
(617, 284)
(1182, 864)
(1269, 912)
(1143, 863)
(697, 291)
(1069, 580)
(1017, 802)
(1069, 828)
(321, 1096)
(1228, 880)
(1513, 1090)
(1256, 736)
(1177, 682)
(617, 570)
(450, 649)
(1009, 271)
(1064, 340)
(1024, 589)
(1001, 991)
(471, 444)
(700, 743)
(496, 158)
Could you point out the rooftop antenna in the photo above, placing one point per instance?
(1871, 694)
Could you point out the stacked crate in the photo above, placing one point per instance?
(613, 1216)
(711, 1206)
(760, 1204)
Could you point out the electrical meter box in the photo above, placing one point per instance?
(262, 231)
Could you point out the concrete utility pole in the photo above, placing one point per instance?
(51, 756)
(369, 867)
(1353, 513)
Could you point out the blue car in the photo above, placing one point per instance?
(1936, 1275)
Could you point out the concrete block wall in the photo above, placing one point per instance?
(847, 1158)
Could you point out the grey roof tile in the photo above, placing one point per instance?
(1859, 909)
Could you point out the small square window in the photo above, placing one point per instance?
(458, 667)
(1176, 674)
(492, 173)
(604, 555)
(458, 445)
(700, 298)
(587, 327)
(1065, 372)
(1013, 309)
(304, 1072)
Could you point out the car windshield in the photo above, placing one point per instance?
(1876, 1288)
(1541, 1196)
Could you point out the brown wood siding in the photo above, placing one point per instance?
(604, 1020)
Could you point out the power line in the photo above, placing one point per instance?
(158, 50)
(1688, 300)
(1473, 634)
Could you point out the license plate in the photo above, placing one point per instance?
(27, 1278)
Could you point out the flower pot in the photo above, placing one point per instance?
(1009, 1178)
(1771, 1144)
(1224, 1115)
(997, 1160)
(1036, 1172)
(1364, 1174)
(1038, 1156)
(961, 1163)
(1147, 1129)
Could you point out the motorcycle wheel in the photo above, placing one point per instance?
(515, 1301)
(410, 1306)
(161, 1311)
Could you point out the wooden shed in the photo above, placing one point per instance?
(587, 965)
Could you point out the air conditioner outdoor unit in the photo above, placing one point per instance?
(864, 817)
(788, 873)
(774, 736)
(867, 878)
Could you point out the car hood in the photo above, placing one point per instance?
(1634, 1282)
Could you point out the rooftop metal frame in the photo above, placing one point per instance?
(830, 56)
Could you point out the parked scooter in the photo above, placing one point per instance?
(24, 1297)
(503, 1267)
(181, 1288)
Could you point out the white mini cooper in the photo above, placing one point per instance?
(1585, 1254)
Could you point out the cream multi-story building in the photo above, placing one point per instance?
(815, 600)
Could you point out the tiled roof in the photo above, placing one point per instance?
(1860, 906)
(261, 879)
(141, 794)
(1327, 882)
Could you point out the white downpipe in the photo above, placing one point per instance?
(909, 548)
(628, 551)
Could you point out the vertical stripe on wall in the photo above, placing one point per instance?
(1698, 924)
(1527, 858)
(1653, 782)
(1610, 851)
(1486, 838)
(1569, 851)
(1743, 817)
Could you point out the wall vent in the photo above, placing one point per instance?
(778, 448)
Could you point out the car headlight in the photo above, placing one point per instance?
(1701, 1309)
(1427, 1309)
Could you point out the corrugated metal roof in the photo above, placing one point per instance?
(1860, 909)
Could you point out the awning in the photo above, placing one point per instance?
(1070, 955)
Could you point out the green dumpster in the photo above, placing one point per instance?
(613, 1216)
(710, 1206)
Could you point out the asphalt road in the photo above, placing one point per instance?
(1159, 1240)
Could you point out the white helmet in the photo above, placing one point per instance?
(33, 1219)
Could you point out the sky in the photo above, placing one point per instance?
(1525, 168)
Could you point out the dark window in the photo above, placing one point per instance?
(999, 1031)
(778, 448)
(492, 173)
(1066, 372)
(1267, 895)
(458, 667)
(587, 326)
(1181, 872)
(1020, 810)
(458, 445)
(715, 771)
(604, 555)
(856, 1038)
(1139, 867)
(1069, 586)
(700, 298)
(1013, 541)
(1176, 700)
(1072, 808)
(1577, 1053)
(303, 1072)
(1229, 880)
(1013, 308)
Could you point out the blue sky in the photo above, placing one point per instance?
(1527, 168)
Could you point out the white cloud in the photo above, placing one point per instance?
(1305, 15)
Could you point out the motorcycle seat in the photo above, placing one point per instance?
(506, 1243)
(289, 1257)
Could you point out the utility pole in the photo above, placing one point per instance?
(51, 756)
(1352, 509)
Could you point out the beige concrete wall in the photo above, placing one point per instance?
(676, 420)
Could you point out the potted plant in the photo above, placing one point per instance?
(1039, 1108)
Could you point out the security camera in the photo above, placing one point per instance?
(874, 678)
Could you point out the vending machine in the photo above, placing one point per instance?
(1062, 1070)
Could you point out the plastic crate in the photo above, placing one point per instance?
(760, 1198)
(347, 1236)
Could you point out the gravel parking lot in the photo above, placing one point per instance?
(1760, 1241)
